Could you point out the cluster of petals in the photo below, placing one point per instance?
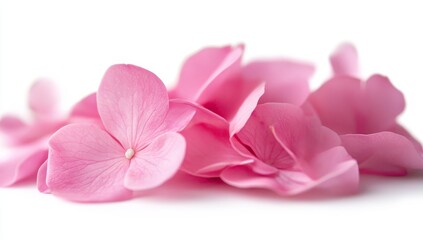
(254, 125)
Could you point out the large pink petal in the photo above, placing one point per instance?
(86, 164)
(345, 60)
(43, 99)
(383, 153)
(23, 162)
(286, 81)
(342, 179)
(132, 103)
(209, 151)
(156, 163)
(337, 102)
(201, 69)
(380, 105)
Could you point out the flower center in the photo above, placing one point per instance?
(129, 153)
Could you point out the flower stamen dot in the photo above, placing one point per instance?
(129, 153)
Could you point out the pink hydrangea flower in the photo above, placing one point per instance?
(280, 148)
(215, 78)
(137, 149)
(364, 114)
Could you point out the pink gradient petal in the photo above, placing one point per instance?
(286, 81)
(383, 153)
(23, 162)
(344, 60)
(86, 164)
(201, 69)
(156, 163)
(42, 179)
(132, 103)
(337, 102)
(381, 104)
(43, 98)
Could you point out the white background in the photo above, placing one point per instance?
(73, 43)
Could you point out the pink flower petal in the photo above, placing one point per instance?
(178, 117)
(208, 151)
(156, 163)
(23, 162)
(11, 127)
(86, 164)
(341, 180)
(201, 69)
(286, 81)
(398, 129)
(132, 103)
(337, 102)
(43, 98)
(381, 104)
(86, 108)
(383, 153)
(235, 108)
(42, 179)
(345, 60)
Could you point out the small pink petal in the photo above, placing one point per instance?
(383, 153)
(23, 162)
(43, 98)
(133, 104)
(156, 163)
(286, 81)
(345, 60)
(86, 164)
(398, 129)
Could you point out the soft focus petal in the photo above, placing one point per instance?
(86, 164)
(10, 128)
(381, 104)
(286, 81)
(43, 98)
(345, 60)
(23, 162)
(156, 163)
(336, 102)
(383, 153)
(201, 69)
(132, 103)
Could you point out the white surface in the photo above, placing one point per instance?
(73, 42)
